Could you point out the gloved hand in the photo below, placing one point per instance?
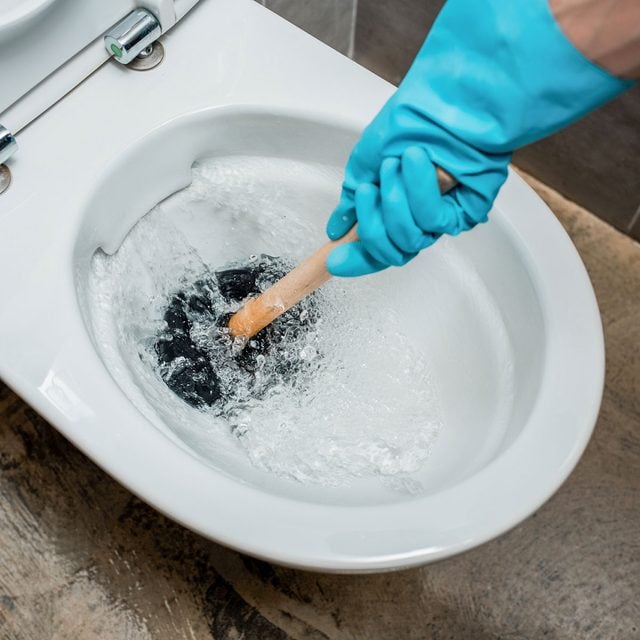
(491, 77)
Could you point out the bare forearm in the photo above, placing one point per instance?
(606, 31)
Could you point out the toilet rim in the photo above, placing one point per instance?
(341, 538)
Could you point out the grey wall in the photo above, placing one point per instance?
(332, 21)
(596, 162)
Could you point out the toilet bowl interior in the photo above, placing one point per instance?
(468, 306)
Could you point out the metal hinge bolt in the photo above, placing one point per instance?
(8, 144)
(133, 36)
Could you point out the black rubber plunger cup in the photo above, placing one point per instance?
(193, 370)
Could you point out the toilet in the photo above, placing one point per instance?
(91, 144)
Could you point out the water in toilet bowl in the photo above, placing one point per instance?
(339, 394)
(204, 366)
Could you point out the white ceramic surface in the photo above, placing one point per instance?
(38, 36)
(237, 79)
(13, 12)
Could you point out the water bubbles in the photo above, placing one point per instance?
(308, 352)
(237, 344)
(349, 397)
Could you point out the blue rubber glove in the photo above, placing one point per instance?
(491, 77)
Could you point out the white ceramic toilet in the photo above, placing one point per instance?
(98, 144)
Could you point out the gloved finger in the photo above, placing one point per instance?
(475, 205)
(427, 240)
(364, 162)
(371, 230)
(431, 212)
(396, 213)
(343, 216)
(458, 215)
(351, 260)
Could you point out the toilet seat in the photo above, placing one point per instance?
(48, 47)
(46, 352)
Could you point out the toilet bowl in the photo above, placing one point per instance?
(506, 313)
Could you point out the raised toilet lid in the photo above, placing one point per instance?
(38, 36)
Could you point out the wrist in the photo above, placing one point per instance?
(608, 33)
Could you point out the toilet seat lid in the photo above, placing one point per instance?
(38, 36)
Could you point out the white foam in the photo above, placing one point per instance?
(364, 403)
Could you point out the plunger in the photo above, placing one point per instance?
(310, 274)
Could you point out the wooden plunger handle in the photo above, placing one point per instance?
(259, 312)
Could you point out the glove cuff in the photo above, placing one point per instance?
(502, 74)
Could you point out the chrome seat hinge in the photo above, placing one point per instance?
(133, 35)
(129, 41)
(8, 144)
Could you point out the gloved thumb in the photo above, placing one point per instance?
(343, 216)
